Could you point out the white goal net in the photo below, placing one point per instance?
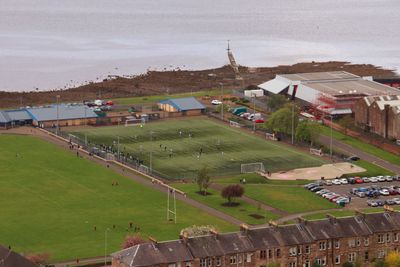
(271, 136)
(234, 124)
(135, 122)
(144, 169)
(316, 151)
(252, 167)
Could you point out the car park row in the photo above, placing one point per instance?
(372, 191)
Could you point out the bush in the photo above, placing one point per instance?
(231, 192)
(132, 240)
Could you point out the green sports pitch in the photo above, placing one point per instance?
(178, 148)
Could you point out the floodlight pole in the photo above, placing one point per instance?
(222, 101)
(293, 122)
(330, 144)
(57, 129)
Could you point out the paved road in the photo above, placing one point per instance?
(363, 155)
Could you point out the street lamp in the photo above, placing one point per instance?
(57, 129)
(105, 246)
(222, 101)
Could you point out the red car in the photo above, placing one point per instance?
(109, 103)
(259, 121)
(358, 181)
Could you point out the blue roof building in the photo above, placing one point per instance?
(183, 105)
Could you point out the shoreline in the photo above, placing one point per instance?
(155, 82)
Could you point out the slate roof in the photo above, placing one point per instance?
(65, 112)
(4, 118)
(305, 232)
(182, 104)
(18, 115)
(9, 258)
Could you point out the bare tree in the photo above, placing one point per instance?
(132, 240)
(231, 192)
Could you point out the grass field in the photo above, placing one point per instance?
(373, 150)
(224, 148)
(242, 212)
(51, 201)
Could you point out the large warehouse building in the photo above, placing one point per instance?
(333, 92)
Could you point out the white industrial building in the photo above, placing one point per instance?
(333, 92)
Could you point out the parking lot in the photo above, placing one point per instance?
(357, 195)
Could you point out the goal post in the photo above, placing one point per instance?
(316, 151)
(144, 169)
(270, 136)
(234, 124)
(135, 122)
(252, 167)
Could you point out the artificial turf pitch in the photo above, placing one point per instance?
(223, 148)
(51, 200)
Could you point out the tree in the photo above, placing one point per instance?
(348, 264)
(392, 259)
(231, 192)
(195, 230)
(39, 258)
(132, 240)
(281, 120)
(274, 264)
(276, 102)
(203, 180)
(346, 122)
(307, 131)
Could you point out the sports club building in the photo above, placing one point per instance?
(333, 93)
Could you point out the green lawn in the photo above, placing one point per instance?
(289, 198)
(344, 213)
(224, 148)
(241, 212)
(51, 201)
(156, 98)
(373, 150)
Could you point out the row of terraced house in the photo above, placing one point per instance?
(364, 238)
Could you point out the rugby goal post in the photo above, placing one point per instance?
(135, 122)
(270, 136)
(316, 151)
(252, 167)
(234, 124)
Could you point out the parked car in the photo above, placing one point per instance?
(353, 158)
(344, 200)
(366, 179)
(359, 181)
(336, 182)
(316, 189)
(351, 180)
(384, 192)
(380, 202)
(323, 191)
(244, 115)
(381, 178)
(372, 203)
(328, 182)
(390, 202)
(388, 178)
(259, 121)
(396, 200)
(373, 179)
(344, 181)
(216, 102)
(393, 191)
(361, 194)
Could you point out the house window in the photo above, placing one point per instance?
(381, 239)
(239, 259)
(381, 254)
(232, 260)
(299, 250)
(337, 259)
(396, 237)
(248, 257)
(218, 261)
(321, 261)
(352, 257)
(352, 242)
(337, 244)
(263, 254)
(209, 262)
(366, 241)
(203, 262)
(358, 242)
(388, 237)
(172, 265)
(292, 264)
(322, 245)
(278, 252)
(269, 254)
(292, 251)
(307, 264)
(366, 256)
(307, 250)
